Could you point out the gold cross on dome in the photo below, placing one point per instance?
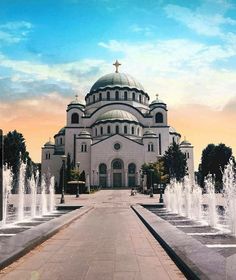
(157, 95)
(76, 97)
(117, 64)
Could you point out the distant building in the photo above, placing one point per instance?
(114, 133)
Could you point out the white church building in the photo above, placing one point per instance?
(114, 133)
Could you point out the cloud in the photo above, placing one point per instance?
(182, 71)
(14, 31)
(144, 30)
(203, 20)
(26, 79)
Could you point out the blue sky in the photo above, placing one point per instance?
(52, 34)
(52, 49)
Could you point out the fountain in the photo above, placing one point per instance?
(7, 181)
(39, 204)
(185, 198)
(210, 190)
(229, 191)
(21, 191)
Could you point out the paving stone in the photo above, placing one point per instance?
(108, 243)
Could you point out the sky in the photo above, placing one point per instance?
(183, 50)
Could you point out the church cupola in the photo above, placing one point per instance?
(158, 110)
(75, 110)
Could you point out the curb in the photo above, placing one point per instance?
(20, 244)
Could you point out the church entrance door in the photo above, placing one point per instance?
(117, 179)
(117, 167)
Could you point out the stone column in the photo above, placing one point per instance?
(109, 178)
(126, 177)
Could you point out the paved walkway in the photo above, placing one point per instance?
(109, 242)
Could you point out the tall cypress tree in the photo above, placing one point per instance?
(175, 162)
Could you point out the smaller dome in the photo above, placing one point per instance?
(149, 133)
(157, 102)
(62, 131)
(84, 134)
(185, 143)
(117, 115)
(49, 143)
(172, 130)
(75, 102)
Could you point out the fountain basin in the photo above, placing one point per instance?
(193, 256)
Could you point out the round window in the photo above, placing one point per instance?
(116, 146)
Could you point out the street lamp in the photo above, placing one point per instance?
(161, 197)
(77, 190)
(63, 179)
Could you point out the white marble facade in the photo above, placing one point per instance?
(114, 133)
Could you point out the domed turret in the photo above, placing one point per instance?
(157, 103)
(75, 103)
(149, 134)
(49, 143)
(61, 131)
(85, 134)
(185, 143)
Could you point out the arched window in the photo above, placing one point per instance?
(117, 164)
(125, 129)
(117, 95)
(83, 147)
(117, 129)
(60, 141)
(102, 168)
(125, 95)
(131, 168)
(47, 155)
(159, 118)
(133, 96)
(138, 131)
(100, 96)
(108, 95)
(108, 129)
(150, 147)
(132, 130)
(96, 132)
(75, 118)
(140, 98)
(101, 130)
(94, 99)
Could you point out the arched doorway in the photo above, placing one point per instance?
(103, 175)
(117, 167)
(131, 175)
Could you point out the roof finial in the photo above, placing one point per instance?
(117, 64)
(50, 139)
(76, 97)
(184, 138)
(157, 95)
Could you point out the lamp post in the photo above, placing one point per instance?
(63, 179)
(161, 197)
(77, 189)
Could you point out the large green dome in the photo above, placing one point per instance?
(116, 79)
(117, 115)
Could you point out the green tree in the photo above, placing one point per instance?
(14, 153)
(155, 172)
(213, 161)
(175, 162)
